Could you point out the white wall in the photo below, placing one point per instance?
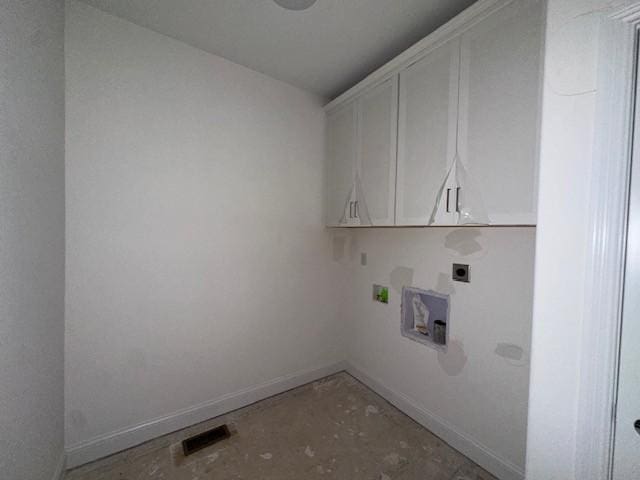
(31, 238)
(474, 390)
(198, 265)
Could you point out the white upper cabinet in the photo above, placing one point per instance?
(499, 104)
(377, 133)
(427, 127)
(454, 122)
(341, 163)
(361, 152)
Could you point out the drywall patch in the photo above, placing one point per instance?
(513, 354)
(338, 248)
(453, 359)
(354, 246)
(464, 241)
(444, 284)
(510, 351)
(344, 248)
(401, 277)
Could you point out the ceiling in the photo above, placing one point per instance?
(325, 49)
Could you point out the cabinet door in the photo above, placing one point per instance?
(377, 133)
(341, 155)
(499, 110)
(426, 132)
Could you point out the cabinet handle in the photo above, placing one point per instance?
(355, 210)
(350, 209)
(458, 199)
(448, 195)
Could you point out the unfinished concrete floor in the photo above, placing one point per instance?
(335, 428)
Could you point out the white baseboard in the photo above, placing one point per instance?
(117, 441)
(493, 463)
(114, 442)
(60, 467)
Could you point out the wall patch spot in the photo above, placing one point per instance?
(444, 284)
(513, 354)
(510, 351)
(453, 359)
(339, 244)
(464, 241)
(401, 277)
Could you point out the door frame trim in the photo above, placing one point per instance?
(608, 208)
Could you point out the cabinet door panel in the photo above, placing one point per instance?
(499, 105)
(341, 154)
(377, 132)
(426, 132)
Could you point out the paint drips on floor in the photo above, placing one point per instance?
(371, 410)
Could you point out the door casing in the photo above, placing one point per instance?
(600, 341)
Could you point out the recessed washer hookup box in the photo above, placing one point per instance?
(425, 316)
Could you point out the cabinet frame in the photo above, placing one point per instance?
(451, 31)
(454, 67)
(393, 147)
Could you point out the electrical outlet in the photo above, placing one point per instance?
(460, 272)
(381, 293)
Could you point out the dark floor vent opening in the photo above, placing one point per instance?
(205, 439)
